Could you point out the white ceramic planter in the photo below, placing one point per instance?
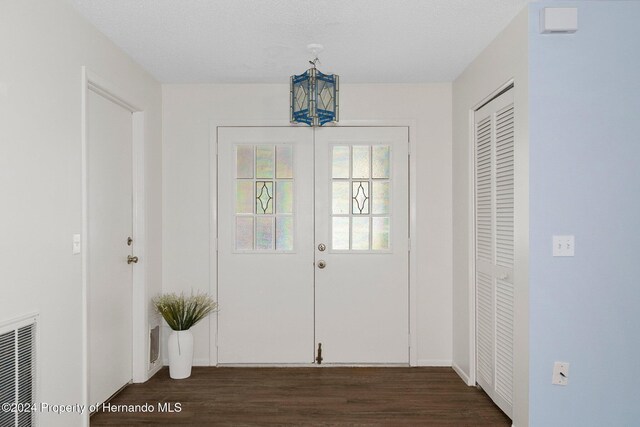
(180, 354)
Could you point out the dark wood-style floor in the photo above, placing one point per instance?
(307, 396)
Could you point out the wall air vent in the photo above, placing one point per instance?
(154, 344)
(18, 371)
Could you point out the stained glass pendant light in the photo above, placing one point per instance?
(314, 95)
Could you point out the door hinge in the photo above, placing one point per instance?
(319, 354)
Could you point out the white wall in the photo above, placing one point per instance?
(190, 110)
(506, 58)
(43, 45)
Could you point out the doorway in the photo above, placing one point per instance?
(313, 245)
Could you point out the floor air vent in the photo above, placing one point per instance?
(154, 344)
(18, 372)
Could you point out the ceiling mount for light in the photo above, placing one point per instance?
(314, 95)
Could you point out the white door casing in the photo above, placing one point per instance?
(110, 278)
(362, 293)
(266, 293)
(265, 252)
(494, 248)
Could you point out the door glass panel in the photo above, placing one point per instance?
(264, 197)
(264, 204)
(360, 198)
(264, 232)
(340, 233)
(244, 233)
(340, 197)
(340, 162)
(380, 231)
(244, 161)
(264, 161)
(380, 198)
(284, 233)
(361, 161)
(244, 196)
(360, 233)
(284, 161)
(284, 197)
(360, 202)
(380, 161)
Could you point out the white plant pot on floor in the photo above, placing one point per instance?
(180, 354)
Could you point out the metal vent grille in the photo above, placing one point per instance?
(18, 373)
(154, 344)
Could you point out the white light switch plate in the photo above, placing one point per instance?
(76, 246)
(560, 373)
(564, 245)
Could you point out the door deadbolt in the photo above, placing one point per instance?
(132, 259)
(322, 264)
(322, 247)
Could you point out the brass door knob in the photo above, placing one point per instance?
(132, 259)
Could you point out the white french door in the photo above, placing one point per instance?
(362, 293)
(265, 258)
(494, 225)
(110, 220)
(313, 245)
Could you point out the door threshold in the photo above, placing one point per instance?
(312, 365)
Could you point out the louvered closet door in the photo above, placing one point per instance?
(494, 178)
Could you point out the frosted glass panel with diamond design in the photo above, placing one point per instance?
(284, 161)
(361, 161)
(360, 233)
(380, 161)
(340, 233)
(244, 233)
(340, 162)
(360, 198)
(264, 202)
(244, 161)
(264, 161)
(380, 237)
(244, 196)
(264, 233)
(380, 198)
(284, 197)
(284, 233)
(340, 197)
(264, 197)
(301, 97)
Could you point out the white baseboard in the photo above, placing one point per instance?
(434, 362)
(462, 374)
(154, 369)
(201, 362)
(196, 362)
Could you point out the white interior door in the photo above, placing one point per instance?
(110, 225)
(362, 281)
(494, 216)
(265, 249)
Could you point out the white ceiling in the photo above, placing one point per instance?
(264, 41)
